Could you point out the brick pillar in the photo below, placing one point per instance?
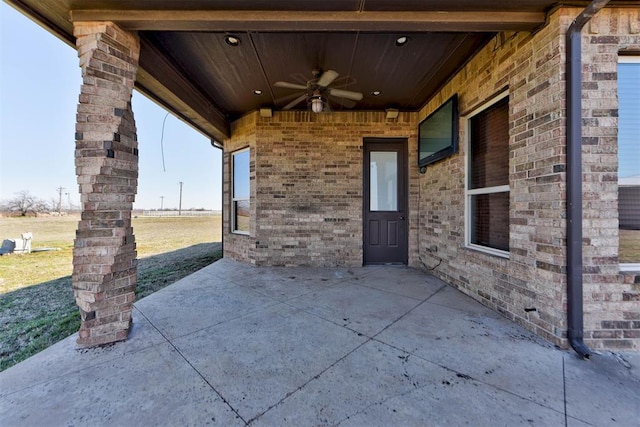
(104, 254)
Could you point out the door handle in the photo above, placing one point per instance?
(400, 217)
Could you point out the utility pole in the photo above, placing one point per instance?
(161, 202)
(60, 190)
(180, 203)
(68, 200)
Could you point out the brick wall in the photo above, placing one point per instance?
(237, 246)
(307, 185)
(530, 286)
(104, 254)
(611, 299)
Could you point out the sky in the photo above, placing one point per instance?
(39, 86)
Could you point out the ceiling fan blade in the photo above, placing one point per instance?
(355, 96)
(287, 98)
(344, 102)
(295, 102)
(288, 85)
(327, 78)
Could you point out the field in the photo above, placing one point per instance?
(630, 246)
(37, 307)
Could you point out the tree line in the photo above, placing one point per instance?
(24, 203)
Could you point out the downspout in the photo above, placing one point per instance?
(575, 332)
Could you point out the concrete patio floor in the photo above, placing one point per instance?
(379, 346)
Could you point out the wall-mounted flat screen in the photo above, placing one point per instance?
(438, 133)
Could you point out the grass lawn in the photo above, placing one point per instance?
(37, 307)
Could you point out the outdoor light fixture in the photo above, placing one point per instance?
(266, 112)
(317, 103)
(392, 113)
(231, 40)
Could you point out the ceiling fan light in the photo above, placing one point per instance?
(317, 104)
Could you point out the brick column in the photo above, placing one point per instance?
(104, 255)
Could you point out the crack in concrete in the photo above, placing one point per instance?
(226, 402)
(369, 339)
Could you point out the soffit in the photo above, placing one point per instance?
(186, 65)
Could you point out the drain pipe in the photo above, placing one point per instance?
(575, 332)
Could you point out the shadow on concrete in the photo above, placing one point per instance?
(236, 345)
(37, 316)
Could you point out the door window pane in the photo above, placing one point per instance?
(383, 181)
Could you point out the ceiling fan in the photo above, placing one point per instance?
(317, 92)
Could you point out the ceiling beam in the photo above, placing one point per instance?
(250, 20)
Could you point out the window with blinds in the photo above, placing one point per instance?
(488, 179)
(629, 162)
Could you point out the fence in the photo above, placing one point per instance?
(166, 213)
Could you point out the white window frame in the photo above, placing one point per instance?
(234, 199)
(628, 59)
(487, 190)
